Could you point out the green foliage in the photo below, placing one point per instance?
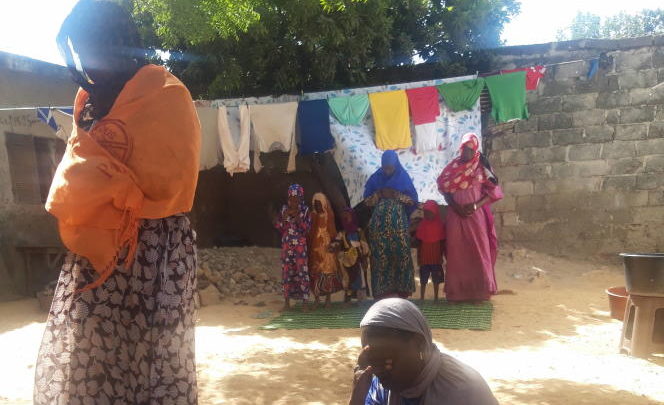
(622, 25)
(288, 46)
(647, 22)
(197, 20)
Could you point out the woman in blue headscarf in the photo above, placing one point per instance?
(391, 192)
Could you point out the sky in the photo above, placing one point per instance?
(29, 27)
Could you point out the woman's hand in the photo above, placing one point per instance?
(388, 193)
(469, 209)
(362, 378)
(292, 212)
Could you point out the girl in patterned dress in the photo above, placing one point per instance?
(323, 267)
(294, 223)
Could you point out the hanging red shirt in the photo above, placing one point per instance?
(533, 75)
(424, 105)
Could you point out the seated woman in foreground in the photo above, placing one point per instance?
(400, 365)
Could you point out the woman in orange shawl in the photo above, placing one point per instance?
(323, 267)
(121, 326)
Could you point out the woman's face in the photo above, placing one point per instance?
(467, 154)
(347, 217)
(293, 202)
(95, 64)
(318, 207)
(429, 215)
(395, 362)
(388, 170)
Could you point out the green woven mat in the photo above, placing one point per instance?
(440, 316)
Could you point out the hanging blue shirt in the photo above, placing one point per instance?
(313, 121)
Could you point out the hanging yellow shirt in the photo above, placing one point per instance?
(390, 115)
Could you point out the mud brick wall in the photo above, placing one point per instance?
(584, 176)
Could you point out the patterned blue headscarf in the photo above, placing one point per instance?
(399, 180)
(296, 190)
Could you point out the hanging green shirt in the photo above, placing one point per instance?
(508, 96)
(461, 95)
(349, 110)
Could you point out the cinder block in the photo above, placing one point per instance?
(578, 102)
(554, 121)
(584, 118)
(529, 125)
(545, 105)
(618, 149)
(634, 60)
(650, 147)
(637, 79)
(649, 181)
(503, 142)
(510, 219)
(631, 132)
(630, 115)
(518, 188)
(530, 203)
(599, 133)
(514, 157)
(619, 183)
(626, 166)
(655, 164)
(584, 152)
(534, 139)
(613, 99)
(568, 136)
(656, 130)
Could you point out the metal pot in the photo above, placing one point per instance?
(644, 273)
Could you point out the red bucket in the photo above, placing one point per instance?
(617, 301)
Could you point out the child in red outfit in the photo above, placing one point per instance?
(431, 236)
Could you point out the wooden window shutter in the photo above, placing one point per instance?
(47, 161)
(23, 168)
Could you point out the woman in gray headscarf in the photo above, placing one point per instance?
(400, 364)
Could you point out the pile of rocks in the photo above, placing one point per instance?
(237, 272)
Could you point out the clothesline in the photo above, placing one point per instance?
(301, 95)
(34, 108)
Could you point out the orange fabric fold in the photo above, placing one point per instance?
(140, 161)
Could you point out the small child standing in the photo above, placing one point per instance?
(431, 237)
(353, 255)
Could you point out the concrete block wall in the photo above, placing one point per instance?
(584, 176)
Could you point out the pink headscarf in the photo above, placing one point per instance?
(459, 175)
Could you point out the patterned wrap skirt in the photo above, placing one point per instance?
(131, 340)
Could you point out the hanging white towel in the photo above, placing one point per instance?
(426, 137)
(234, 122)
(65, 123)
(274, 129)
(236, 152)
(210, 146)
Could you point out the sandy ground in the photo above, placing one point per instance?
(552, 342)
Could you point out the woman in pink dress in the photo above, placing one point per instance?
(469, 187)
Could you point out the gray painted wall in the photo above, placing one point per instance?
(584, 176)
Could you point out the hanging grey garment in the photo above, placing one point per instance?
(444, 379)
(210, 145)
(235, 149)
